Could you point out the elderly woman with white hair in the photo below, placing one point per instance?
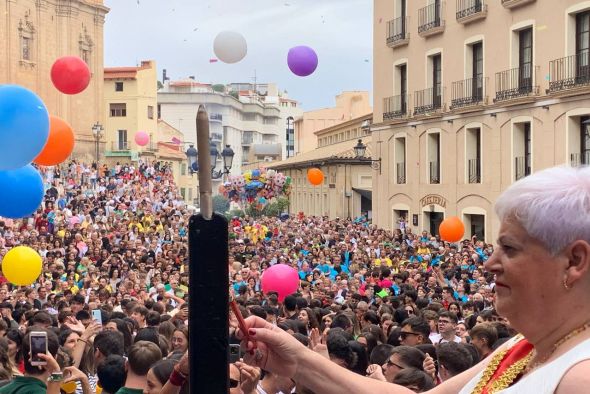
(542, 282)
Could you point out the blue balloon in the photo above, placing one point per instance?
(24, 126)
(21, 192)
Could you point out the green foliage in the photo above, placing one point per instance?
(220, 204)
(160, 85)
(283, 203)
(218, 88)
(234, 95)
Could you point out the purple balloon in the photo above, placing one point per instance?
(302, 60)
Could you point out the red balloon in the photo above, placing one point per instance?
(451, 229)
(315, 176)
(70, 74)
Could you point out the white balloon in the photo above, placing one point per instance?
(230, 47)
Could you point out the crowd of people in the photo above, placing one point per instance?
(401, 307)
(112, 296)
(398, 306)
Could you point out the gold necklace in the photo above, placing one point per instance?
(556, 345)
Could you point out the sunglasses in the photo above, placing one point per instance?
(391, 364)
(233, 383)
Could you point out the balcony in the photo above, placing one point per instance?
(427, 101)
(516, 3)
(395, 107)
(468, 92)
(151, 147)
(516, 83)
(471, 10)
(569, 73)
(397, 32)
(247, 139)
(216, 117)
(120, 146)
(522, 167)
(474, 170)
(401, 172)
(580, 159)
(434, 172)
(430, 20)
(216, 136)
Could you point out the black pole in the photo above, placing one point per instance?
(208, 286)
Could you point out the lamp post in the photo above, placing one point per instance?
(227, 155)
(359, 151)
(97, 133)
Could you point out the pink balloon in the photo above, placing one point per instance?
(141, 138)
(280, 278)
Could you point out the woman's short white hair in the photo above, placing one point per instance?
(552, 205)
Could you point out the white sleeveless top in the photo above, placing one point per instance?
(545, 379)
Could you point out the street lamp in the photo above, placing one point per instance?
(227, 155)
(97, 132)
(359, 151)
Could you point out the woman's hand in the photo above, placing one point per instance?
(250, 376)
(270, 348)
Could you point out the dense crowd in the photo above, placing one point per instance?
(398, 306)
(114, 249)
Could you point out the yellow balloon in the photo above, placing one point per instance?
(22, 265)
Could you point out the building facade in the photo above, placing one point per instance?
(130, 102)
(35, 33)
(347, 188)
(349, 106)
(470, 96)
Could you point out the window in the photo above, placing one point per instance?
(437, 80)
(522, 147)
(118, 110)
(477, 71)
(159, 111)
(434, 157)
(122, 140)
(182, 169)
(583, 46)
(473, 154)
(400, 160)
(525, 60)
(118, 86)
(26, 46)
(584, 140)
(150, 112)
(85, 55)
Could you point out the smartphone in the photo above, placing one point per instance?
(235, 353)
(97, 315)
(37, 344)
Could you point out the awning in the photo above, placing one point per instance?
(364, 192)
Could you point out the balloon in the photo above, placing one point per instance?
(70, 74)
(195, 167)
(302, 61)
(21, 266)
(280, 278)
(24, 126)
(141, 138)
(315, 176)
(230, 47)
(451, 229)
(59, 145)
(21, 192)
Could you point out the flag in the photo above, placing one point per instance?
(176, 141)
(213, 60)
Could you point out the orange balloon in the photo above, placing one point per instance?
(60, 143)
(451, 229)
(315, 176)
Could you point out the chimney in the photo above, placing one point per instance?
(164, 77)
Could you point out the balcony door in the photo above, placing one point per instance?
(585, 140)
(582, 47)
(437, 81)
(477, 72)
(525, 60)
(403, 85)
(122, 140)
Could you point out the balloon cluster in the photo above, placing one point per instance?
(256, 186)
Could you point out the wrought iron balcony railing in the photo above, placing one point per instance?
(580, 159)
(569, 72)
(428, 100)
(117, 146)
(397, 31)
(474, 170)
(395, 107)
(468, 92)
(434, 172)
(430, 19)
(516, 82)
(401, 173)
(522, 167)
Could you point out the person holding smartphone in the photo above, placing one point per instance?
(42, 372)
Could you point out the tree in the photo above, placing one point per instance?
(160, 85)
(220, 204)
(218, 88)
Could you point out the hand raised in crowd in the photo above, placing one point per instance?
(269, 347)
(93, 328)
(74, 324)
(429, 366)
(51, 366)
(375, 371)
(250, 376)
(73, 374)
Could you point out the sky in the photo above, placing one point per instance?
(179, 34)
